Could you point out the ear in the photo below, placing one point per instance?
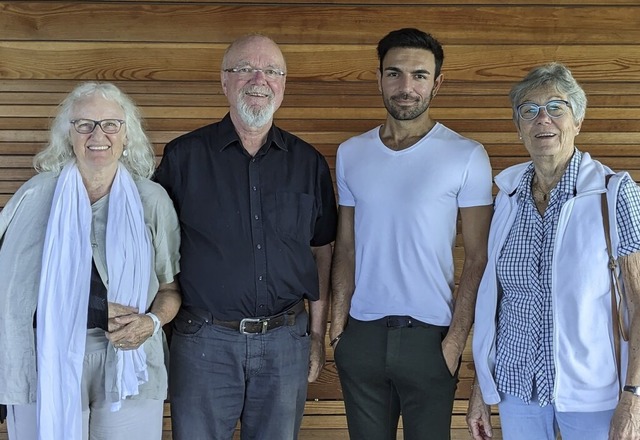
(223, 81)
(436, 85)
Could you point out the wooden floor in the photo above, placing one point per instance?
(325, 420)
(324, 416)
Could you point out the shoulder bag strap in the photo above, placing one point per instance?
(616, 291)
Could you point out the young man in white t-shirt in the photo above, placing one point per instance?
(397, 331)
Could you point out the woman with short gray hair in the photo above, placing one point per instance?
(545, 321)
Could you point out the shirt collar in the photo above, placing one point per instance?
(228, 136)
(567, 183)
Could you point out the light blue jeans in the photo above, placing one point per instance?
(520, 421)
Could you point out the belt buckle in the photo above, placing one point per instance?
(245, 321)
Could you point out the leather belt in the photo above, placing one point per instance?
(266, 323)
(405, 322)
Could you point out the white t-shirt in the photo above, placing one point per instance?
(406, 206)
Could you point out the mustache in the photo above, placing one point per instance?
(262, 90)
(404, 96)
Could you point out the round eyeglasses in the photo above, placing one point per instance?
(248, 72)
(86, 126)
(554, 109)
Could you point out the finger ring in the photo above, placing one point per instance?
(120, 345)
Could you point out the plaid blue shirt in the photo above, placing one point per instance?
(524, 360)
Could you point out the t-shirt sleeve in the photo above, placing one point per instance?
(477, 180)
(345, 197)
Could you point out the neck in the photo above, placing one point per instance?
(399, 135)
(97, 183)
(252, 138)
(547, 175)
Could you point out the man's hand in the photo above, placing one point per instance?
(451, 353)
(316, 357)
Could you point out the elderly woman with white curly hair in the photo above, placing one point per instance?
(89, 252)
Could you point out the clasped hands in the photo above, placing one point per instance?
(127, 328)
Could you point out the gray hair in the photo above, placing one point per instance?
(556, 75)
(140, 159)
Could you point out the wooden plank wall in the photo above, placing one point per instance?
(167, 54)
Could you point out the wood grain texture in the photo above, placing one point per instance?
(166, 54)
(136, 61)
(321, 23)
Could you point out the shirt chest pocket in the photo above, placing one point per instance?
(295, 215)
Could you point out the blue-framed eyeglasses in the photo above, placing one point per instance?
(554, 108)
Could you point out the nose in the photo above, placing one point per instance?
(259, 77)
(542, 115)
(406, 83)
(98, 132)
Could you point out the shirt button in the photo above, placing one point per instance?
(259, 246)
(253, 160)
(255, 188)
(256, 217)
(261, 306)
(260, 278)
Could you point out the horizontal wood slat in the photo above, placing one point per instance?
(197, 23)
(199, 61)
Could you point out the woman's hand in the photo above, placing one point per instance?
(133, 330)
(625, 424)
(478, 416)
(117, 310)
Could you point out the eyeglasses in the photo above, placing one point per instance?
(554, 109)
(86, 126)
(249, 72)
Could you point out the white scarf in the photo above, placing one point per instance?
(64, 297)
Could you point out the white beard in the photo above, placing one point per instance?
(255, 116)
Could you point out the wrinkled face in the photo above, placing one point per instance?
(254, 96)
(97, 151)
(407, 82)
(544, 135)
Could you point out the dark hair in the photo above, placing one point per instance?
(411, 38)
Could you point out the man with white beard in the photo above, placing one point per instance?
(258, 216)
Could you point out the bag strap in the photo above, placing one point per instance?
(616, 291)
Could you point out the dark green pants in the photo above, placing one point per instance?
(387, 369)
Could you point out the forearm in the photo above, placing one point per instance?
(319, 310)
(343, 286)
(630, 267)
(167, 302)
(475, 231)
(465, 303)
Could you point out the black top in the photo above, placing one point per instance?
(248, 222)
(98, 315)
